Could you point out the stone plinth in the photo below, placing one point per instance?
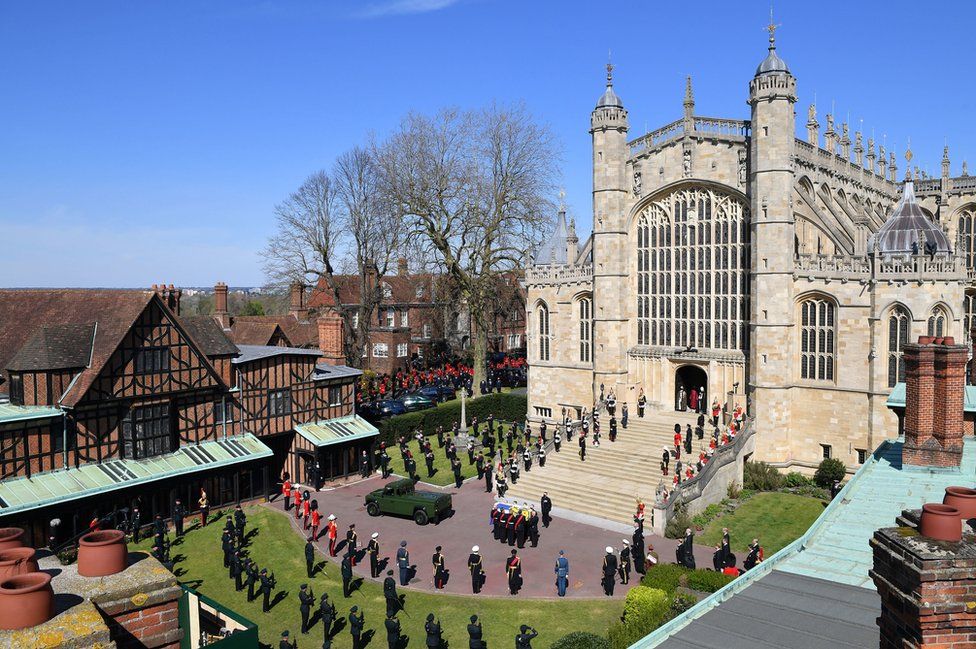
(927, 588)
(137, 607)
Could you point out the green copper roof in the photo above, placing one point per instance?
(10, 412)
(897, 397)
(336, 431)
(22, 494)
(837, 547)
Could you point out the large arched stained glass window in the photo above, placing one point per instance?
(691, 242)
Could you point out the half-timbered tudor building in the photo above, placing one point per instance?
(109, 399)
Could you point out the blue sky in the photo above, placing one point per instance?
(149, 141)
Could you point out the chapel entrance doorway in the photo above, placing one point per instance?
(690, 388)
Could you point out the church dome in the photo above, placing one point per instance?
(609, 99)
(908, 231)
(772, 62)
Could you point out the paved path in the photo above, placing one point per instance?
(583, 538)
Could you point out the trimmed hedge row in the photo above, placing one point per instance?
(504, 406)
(581, 640)
(668, 576)
(645, 609)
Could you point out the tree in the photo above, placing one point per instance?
(335, 221)
(476, 185)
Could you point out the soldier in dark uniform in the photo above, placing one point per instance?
(285, 643)
(488, 475)
(237, 570)
(613, 429)
(306, 599)
(226, 544)
(491, 423)
(521, 527)
(352, 542)
(438, 570)
(440, 437)
(510, 438)
(364, 465)
(456, 468)
(373, 550)
(346, 571)
(480, 465)
(542, 455)
(532, 528)
(582, 447)
(159, 527)
(510, 526)
(179, 513)
(309, 557)
(356, 623)
(474, 426)
(240, 521)
(135, 523)
(390, 595)
(267, 583)
(557, 440)
(411, 467)
(403, 563)
(637, 543)
(513, 566)
(624, 566)
(609, 572)
(524, 639)
(392, 632)
(527, 459)
(433, 629)
(477, 569)
(253, 577)
(429, 458)
(546, 509)
(475, 634)
(327, 612)
(385, 463)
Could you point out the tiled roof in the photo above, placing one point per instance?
(403, 290)
(55, 347)
(25, 312)
(254, 333)
(258, 329)
(208, 334)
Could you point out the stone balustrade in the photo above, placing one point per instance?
(859, 268)
(559, 274)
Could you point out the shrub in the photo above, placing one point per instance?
(830, 470)
(680, 603)
(761, 477)
(680, 521)
(644, 610)
(505, 407)
(708, 581)
(705, 517)
(581, 640)
(665, 576)
(795, 479)
(734, 490)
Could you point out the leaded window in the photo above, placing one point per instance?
(938, 323)
(690, 242)
(817, 339)
(969, 313)
(544, 338)
(898, 330)
(967, 236)
(585, 329)
(279, 403)
(146, 432)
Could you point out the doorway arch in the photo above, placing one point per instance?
(688, 379)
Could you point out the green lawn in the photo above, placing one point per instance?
(279, 548)
(776, 519)
(443, 474)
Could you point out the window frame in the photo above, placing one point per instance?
(279, 402)
(817, 338)
(151, 360)
(135, 438)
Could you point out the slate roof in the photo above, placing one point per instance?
(325, 371)
(208, 335)
(55, 347)
(609, 99)
(908, 226)
(553, 249)
(256, 352)
(772, 62)
(24, 313)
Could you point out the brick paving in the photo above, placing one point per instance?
(583, 539)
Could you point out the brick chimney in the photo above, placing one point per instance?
(935, 382)
(372, 275)
(170, 295)
(299, 306)
(221, 314)
(331, 340)
(402, 269)
(927, 588)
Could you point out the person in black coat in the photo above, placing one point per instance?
(346, 570)
(609, 572)
(637, 542)
(309, 557)
(356, 623)
(688, 439)
(687, 550)
(305, 599)
(327, 613)
(524, 639)
(390, 595)
(718, 558)
(475, 634)
(533, 528)
(546, 509)
(433, 629)
(477, 569)
(285, 643)
(179, 513)
(393, 638)
(726, 549)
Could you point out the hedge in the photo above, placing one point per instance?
(504, 406)
(665, 576)
(645, 609)
(581, 640)
(708, 581)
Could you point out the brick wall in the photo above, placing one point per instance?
(935, 377)
(927, 589)
(144, 620)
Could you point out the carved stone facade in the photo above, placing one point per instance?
(731, 253)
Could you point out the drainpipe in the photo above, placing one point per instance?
(64, 441)
(223, 408)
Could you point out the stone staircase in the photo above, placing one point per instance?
(614, 474)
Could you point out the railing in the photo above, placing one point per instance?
(817, 156)
(692, 488)
(557, 274)
(664, 134)
(665, 631)
(928, 185)
(831, 264)
(964, 182)
(720, 126)
(902, 267)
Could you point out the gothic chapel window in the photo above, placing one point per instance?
(544, 337)
(938, 322)
(817, 339)
(898, 325)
